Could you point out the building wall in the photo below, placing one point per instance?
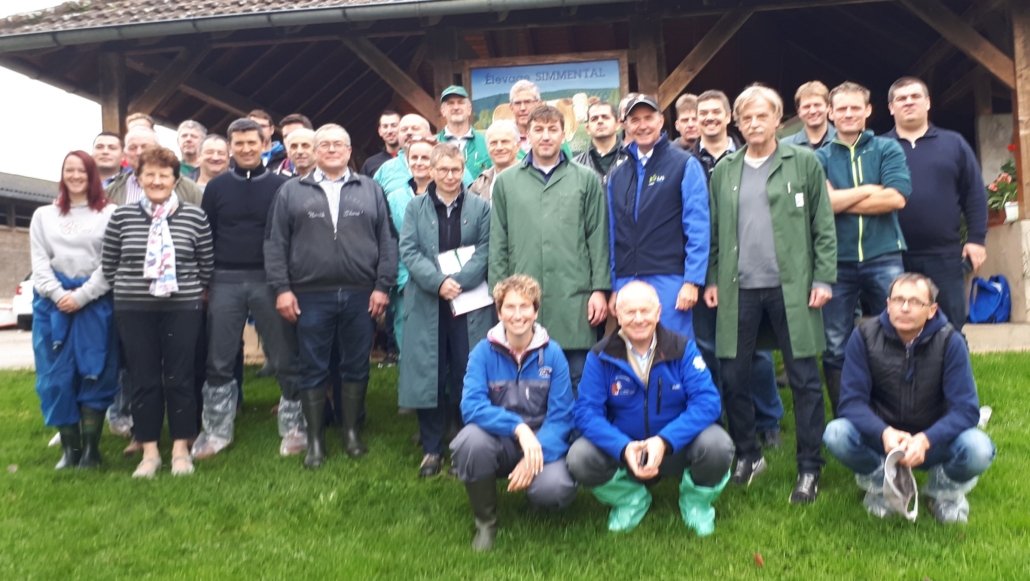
(15, 262)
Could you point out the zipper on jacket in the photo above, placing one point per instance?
(856, 177)
(647, 408)
(659, 408)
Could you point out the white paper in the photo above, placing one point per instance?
(469, 300)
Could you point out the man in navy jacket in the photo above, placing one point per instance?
(646, 409)
(907, 384)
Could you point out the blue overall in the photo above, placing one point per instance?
(76, 356)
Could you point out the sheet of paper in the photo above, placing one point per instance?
(470, 299)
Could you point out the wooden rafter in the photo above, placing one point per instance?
(168, 80)
(943, 49)
(394, 76)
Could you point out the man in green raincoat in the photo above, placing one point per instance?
(773, 252)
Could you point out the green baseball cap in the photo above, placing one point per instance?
(454, 90)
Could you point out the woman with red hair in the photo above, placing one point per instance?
(73, 332)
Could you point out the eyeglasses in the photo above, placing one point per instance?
(450, 171)
(902, 301)
(905, 98)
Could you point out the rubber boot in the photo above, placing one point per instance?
(696, 503)
(92, 425)
(312, 402)
(483, 498)
(832, 388)
(353, 405)
(949, 504)
(71, 444)
(629, 501)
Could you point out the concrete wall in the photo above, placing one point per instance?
(993, 136)
(14, 260)
(1008, 253)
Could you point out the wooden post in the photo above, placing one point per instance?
(441, 52)
(702, 52)
(394, 76)
(1021, 98)
(113, 102)
(645, 39)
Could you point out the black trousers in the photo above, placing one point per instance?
(453, 357)
(160, 349)
(805, 384)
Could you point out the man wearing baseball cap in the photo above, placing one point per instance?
(456, 109)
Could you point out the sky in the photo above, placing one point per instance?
(43, 123)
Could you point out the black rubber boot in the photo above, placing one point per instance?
(71, 444)
(353, 405)
(833, 388)
(312, 403)
(483, 498)
(92, 425)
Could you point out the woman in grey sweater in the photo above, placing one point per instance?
(158, 257)
(73, 335)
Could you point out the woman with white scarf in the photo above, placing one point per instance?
(158, 257)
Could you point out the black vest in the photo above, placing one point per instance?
(907, 390)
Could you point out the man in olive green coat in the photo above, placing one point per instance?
(773, 253)
(550, 221)
(435, 343)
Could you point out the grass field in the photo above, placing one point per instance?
(250, 514)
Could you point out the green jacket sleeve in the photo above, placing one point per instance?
(824, 229)
(597, 232)
(498, 269)
(423, 270)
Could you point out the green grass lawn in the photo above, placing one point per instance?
(250, 514)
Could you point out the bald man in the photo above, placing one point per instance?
(125, 190)
(647, 408)
(395, 174)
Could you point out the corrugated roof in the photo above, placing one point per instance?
(26, 189)
(77, 14)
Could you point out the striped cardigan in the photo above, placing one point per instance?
(125, 247)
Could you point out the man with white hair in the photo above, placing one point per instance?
(331, 258)
(300, 149)
(523, 99)
(631, 437)
(395, 174)
(189, 136)
(773, 253)
(125, 189)
(502, 143)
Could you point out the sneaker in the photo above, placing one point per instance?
(770, 439)
(430, 466)
(806, 490)
(747, 469)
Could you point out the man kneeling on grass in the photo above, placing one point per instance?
(631, 437)
(907, 384)
(517, 407)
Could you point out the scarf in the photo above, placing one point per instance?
(159, 264)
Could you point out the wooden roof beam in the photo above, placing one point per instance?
(701, 54)
(943, 49)
(965, 37)
(408, 89)
(168, 80)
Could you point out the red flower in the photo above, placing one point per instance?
(1012, 147)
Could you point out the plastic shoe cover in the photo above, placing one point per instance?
(696, 503)
(55, 441)
(294, 442)
(872, 482)
(208, 445)
(629, 501)
(291, 417)
(950, 504)
(219, 410)
(876, 504)
(120, 426)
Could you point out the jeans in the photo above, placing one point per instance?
(234, 294)
(946, 272)
(768, 405)
(577, 358)
(453, 357)
(870, 279)
(707, 457)
(326, 315)
(967, 456)
(160, 355)
(803, 373)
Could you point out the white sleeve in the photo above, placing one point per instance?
(43, 278)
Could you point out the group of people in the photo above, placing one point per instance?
(498, 258)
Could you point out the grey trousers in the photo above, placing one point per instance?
(233, 295)
(708, 458)
(480, 455)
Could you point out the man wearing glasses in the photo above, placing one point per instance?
(523, 99)
(331, 258)
(946, 185)
(907, 384)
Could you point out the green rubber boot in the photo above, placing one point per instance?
(696, 503)
(629, 501)
(92, 425)
(71, 446)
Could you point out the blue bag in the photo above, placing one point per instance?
(990, 301)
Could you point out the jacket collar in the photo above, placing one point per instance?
(661, 145)
(938, 322)
(499, 340)
(863, 139)
(310, 178)
(931, 131)
(668, 346)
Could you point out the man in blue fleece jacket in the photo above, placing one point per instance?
(907, 383)
(631, 436)
(868, 182)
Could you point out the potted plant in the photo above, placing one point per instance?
(1002, 192)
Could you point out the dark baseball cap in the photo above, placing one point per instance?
(454, 90)
(640, 100)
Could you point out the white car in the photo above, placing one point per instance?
(21, 306)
